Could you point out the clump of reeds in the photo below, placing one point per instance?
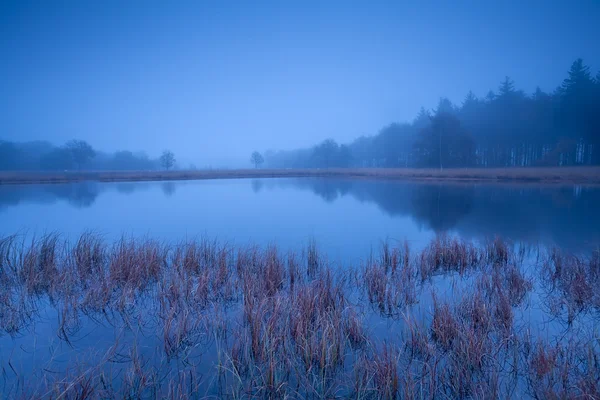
(446, 254)
(385, 372)
(313, 259)
(444, 327)
(135, 263)
(390, 284)
(267, 324)
(557, 371)
(10, 259)
(572, 282)
(39, 267)
(89, 256)
(498, 251)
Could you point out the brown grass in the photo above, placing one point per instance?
(573, 282)
(446, 254)
(579, 175)
(256, 323)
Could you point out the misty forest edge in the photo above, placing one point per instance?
(504, 129)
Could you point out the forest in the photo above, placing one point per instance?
(73, 155)
(506, 128)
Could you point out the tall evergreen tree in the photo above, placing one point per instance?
(578, 81)
(445, 106)
(470, 100)
(423, 119)
(507, 87)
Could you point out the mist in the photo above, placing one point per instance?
(334, 199)
(214, 82)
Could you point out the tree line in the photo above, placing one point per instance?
(75, 155)
(506, 128)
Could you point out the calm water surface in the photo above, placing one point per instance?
(348, 218)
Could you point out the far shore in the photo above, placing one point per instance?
(564, 175)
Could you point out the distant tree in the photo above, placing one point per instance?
(257, 159)
(507, 87)
(325, 154)
(57, 160)
(167, 159)
(502, 129)
(345, 158)
(362, 151)
(9, 156)
(579, 79)
(81, 152)
(445, 106)
(126, 160)
(579, 110)
(123, 160)
(392, 146)
(422, 120)
(539, 94)
(470, 100)
(444, 143)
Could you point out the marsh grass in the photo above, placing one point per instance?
(201, 318)
(583, 175)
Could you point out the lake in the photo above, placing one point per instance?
(347, 218)
(405, 256)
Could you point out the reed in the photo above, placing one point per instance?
(202, 318)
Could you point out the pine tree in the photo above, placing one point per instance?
(579, 80)
(507, 87)
(444, 106)
(577, 111)
(423, 119)
(539, 94)
(470, 100)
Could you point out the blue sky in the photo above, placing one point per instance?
(215, 80)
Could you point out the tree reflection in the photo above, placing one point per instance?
(568, 216)
(168, 188)
(79, 194)
(257, 185)
(441, 207)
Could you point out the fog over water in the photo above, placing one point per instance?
(413, 281)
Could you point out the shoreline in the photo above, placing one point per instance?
(551, 175)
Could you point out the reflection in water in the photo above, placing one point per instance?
(257, 185)
(567, 216)
(127, 187)
(168, 188)
(79, 194)
(442, 207)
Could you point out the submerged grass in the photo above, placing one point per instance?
(200, 318)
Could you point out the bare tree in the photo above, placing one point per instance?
(81, 152)
(167, 159)
(257, 159)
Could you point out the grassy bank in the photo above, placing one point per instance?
(568, 175)
(200, 318)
